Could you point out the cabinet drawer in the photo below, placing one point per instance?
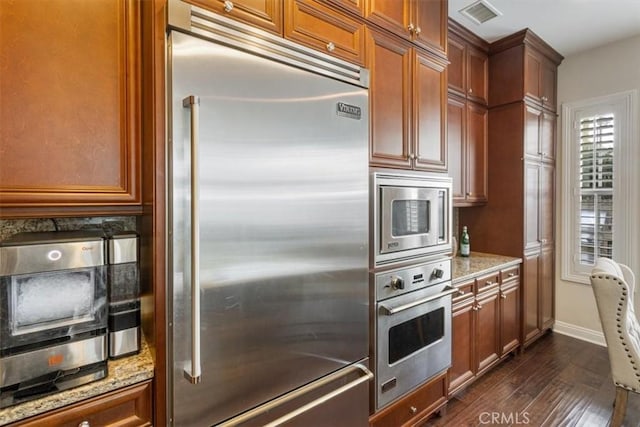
(322, 28)
(129, 407)
(487, 281)
(509, 274)
(415, 406)
(465, 290)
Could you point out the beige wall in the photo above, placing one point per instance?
(601, 71)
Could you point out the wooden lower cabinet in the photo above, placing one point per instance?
(415, 407)
(128, 407)
(485, 325)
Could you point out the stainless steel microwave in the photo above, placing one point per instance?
(411, 217)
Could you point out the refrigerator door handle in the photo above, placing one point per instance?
(194, 372)
(366, 376)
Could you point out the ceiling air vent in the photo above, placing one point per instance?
(480, 11)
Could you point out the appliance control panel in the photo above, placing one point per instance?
(402, 280)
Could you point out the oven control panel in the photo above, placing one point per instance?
(402, 280)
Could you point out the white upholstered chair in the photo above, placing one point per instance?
(613, 285)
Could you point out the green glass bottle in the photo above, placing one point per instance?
(465, 246)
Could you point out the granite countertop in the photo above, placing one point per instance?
(122, 372)
(478, 263)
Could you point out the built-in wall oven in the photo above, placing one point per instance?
(413, 327)
(411, 217)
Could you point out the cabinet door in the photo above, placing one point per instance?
(509, 316)
(456, 73)
(69, 109)
(322, 28)
(393, 15)
(429, 105)
(389, 60)
(487, 329)
(548, 84)
(531, 205)
(547, 287)
(532, 132)
(265, 14)
(354, 6)
(548, 136)
(430, 24)
(456, 135)
(462, 348)
(476, 153)
(546, 199)
(477, 75)
(532, 70)
(530, 302)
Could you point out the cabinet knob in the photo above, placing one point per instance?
(411, 28)
(544, 99)
(460, 292)
(479, 306)
(412, 156)
(418, 31)
(469, 193)
(470, 90)
(228, 6)
(331, 47)
(503, 296)
(511, 274)
(413, 409)
(84, 424)
(490, 283)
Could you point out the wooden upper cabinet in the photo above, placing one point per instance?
(532, 132)
(353, 6)
(407, 98)
(476, 154)
(390, 88)
(430, 24)
(322, 28)
(456, 146)
(469, 64)
(540, 79)
(424, 22)
(523, 65)
(70, 106)
(430, 103)
(265, 14)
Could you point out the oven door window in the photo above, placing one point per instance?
(409, 217)
(51, 300)
(411, 336)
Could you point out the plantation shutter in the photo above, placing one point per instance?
(596, 140)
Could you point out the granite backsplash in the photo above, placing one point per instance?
(9, 227)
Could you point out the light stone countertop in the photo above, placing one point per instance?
(478, 263)
(122, 372)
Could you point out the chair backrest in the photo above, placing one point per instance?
(613, 285)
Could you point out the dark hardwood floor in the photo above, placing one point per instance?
(558, 381)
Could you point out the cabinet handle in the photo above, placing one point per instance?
(331, 47)
(469, 193)
(461, 292)
(479, 306)
(544, 99)
(84, 424)
(228, 6)
(503, 296)
(474, 308)
(543, 241)
(490, 283)
(411, 28)
(470, 90)
(511, 274)
(413, 409)
(193, 373)
(412, 156)
(418, 31)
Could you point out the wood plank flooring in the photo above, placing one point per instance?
(558, 381)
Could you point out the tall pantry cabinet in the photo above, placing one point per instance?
(519, 220)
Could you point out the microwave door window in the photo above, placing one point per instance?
(410, 217)
(51, 300)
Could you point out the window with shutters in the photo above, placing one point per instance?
(599, 194)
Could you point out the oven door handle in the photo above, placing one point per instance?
(390, 311)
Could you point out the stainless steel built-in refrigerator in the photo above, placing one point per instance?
(268, 256)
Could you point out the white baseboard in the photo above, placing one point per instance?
(580, 333)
